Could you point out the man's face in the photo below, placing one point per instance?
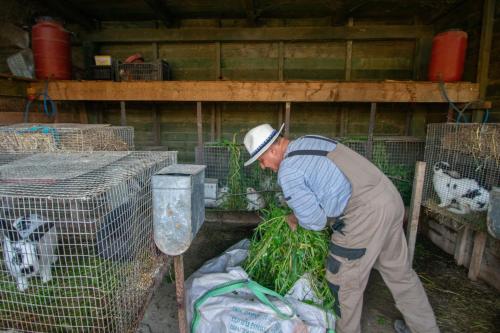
(270, 159)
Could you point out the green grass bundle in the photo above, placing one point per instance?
(278, 256)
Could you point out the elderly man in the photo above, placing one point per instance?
(324, 180)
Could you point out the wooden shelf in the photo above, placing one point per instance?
(259, 91)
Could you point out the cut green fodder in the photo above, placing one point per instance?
(278, 257)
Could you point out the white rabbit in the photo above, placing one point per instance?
(28, 246)
(255, 201)
(476, 200)
(465, 192)
(222, 197)
(280, 199)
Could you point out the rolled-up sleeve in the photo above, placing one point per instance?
(302, 200)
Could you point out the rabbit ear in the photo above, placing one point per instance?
(9, 231)
(40, 232)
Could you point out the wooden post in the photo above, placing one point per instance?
(461, 245)
(100, 116)
(371, 129)
(212, 123)
(123, 114)
(449, 115)
(484, 53)
(409, 116)
(199, 125)
(156, 125)
(83, 114)
(218, 122)
(414, 214)
(287, 119)
(179, 292)
(477, 255)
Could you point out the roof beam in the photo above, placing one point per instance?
(251, 12)
(261, 91)
(69, 12)
(341, 14)
(161, 11)
(125, 35)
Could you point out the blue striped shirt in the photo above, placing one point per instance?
(313, 186)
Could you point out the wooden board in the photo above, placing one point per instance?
(261, 34)
(266, 91)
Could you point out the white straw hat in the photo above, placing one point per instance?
(259, 139)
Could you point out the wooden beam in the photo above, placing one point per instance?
(156, 125)
(415, 204)
(70, 13)
(161, 11)
(259, 91)
(484, 53)
(347, 9)
(207, 34)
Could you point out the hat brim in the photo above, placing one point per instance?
(264, 149)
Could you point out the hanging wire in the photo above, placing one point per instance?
(49, 111)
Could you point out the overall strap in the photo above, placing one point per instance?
(320, 138)
(308, 152)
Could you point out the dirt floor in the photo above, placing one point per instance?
(460, 304)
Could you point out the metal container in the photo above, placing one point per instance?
(493, 219)
(178, 206)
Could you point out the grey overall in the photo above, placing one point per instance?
(370, 235)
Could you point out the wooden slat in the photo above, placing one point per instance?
(265, 91)
(477, 255)
(207, 34)
(287, 119)
(371, 130)
(414, 215)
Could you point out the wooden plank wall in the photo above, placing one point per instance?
(253, 60)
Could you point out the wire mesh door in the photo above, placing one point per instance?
(463, 164)
(77, 240)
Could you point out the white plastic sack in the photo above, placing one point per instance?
(241, 310)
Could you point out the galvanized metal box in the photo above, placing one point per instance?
(178, 206)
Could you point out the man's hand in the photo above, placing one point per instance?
(292, 222)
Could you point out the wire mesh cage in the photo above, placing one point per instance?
(101, 72)
(394, 156)
(158, 70)
(77, 249)
(463, 164)
(250, 188)
(65, 137)
(233, 186)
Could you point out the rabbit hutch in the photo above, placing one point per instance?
(96, 97)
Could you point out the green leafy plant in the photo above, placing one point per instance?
(278, 256)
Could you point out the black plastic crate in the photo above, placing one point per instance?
(158, 70)
(101, 73)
